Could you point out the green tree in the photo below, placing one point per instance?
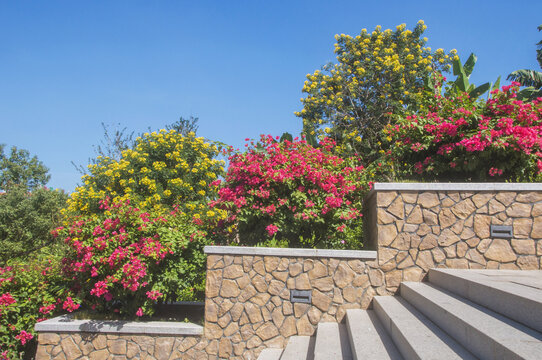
(28, 210)
(378, 75)
(18, 168)
(532, 79)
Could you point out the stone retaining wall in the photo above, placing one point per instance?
(421, 226)
(68, 339)
(248, 305)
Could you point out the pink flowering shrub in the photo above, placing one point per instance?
(293, 193)
(123, 259)
(460, 138)
(29, 293)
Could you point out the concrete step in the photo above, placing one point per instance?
(270, 354)
(368, 338)
(515, 294)
(299, 348)
(332, 342)
(414, 335)
(483, 332)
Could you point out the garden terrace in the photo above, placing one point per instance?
(412, 228)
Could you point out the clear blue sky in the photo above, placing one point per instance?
(67, 66)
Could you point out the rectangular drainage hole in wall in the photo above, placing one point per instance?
(300, 296)
(501, 231)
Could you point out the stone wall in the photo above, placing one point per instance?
(421, 226)
(248, 305)
(68, 339)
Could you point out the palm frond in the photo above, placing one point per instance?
(527, 78)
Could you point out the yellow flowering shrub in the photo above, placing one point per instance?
(164, 169)
(378, 75)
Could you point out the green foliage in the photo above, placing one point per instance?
(463, 73)
(531, 79)
(26, 220)
(18, 168)
(29, 292)
(378, 75)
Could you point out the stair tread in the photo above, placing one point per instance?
(270, 354)
(332, 342)
(505, 336)
(518, 298)
(299, 348)
(415, 335)
(526, 283)
(368, 338)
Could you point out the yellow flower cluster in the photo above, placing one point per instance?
(376, 73)
(164, 169)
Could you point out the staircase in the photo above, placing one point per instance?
(458, 314)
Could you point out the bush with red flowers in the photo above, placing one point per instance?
(464, 139)
(293, 194)
(29, 293)
(124, 259)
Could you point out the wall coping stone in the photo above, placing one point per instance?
(65, 323)
(289, 252)
(463, 186)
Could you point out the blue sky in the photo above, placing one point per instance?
(68, 66)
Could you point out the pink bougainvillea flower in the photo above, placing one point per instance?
(7, 299)
(24, 336)
(69, 305)
(272, 229)
(139, 312)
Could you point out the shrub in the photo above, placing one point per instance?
(122, 259)
(164, 169)
(461, 138)
(29, 293)
(292, 192)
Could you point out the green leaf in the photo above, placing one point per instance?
(311, 140)
(286, 136)
(527, 77)
(457, 67)
(428, 81)
(479, 90)
(496, 84)
(462, 81)
(527, 93)
(469, 64)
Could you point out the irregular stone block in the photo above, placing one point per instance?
(500, 251)
(397, 208)
(384, 198)
(519, 210)
(428, 199)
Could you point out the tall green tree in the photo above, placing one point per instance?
(28, 210)
(18, 168)
(26, 220)
(377, 76)
(532, 79)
